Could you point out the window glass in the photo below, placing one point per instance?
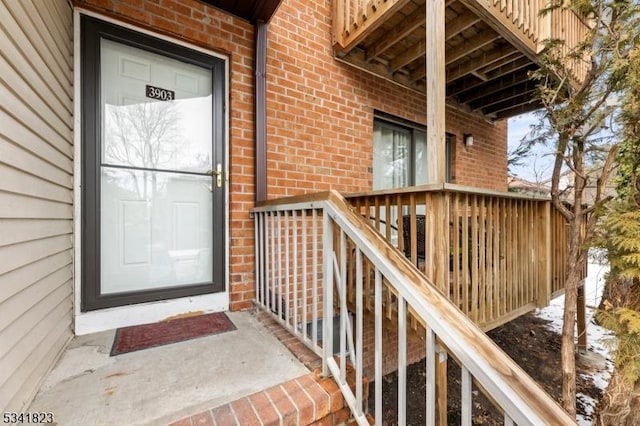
(400, 155)
(391, 155)
(420, 157)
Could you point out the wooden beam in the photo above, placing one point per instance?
(352, 36)
(511, 100)
(409, 55)
(466, 86)
(435, 82)
(441, 387)
(525, 88)
(505, 61)
(356, 58)
(581, 320)
(544, 254)
(480, 62)
(470, 46)
(460, 23)
(417, 50)
(473, 93)
(399, 32)
(480, 76)
(469, 66)
(517, 110)
(515, 66)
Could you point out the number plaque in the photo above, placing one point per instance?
(159, 93)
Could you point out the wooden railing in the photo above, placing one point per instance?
(566, 25)
(518, 21)
(495, 255)
(307, 247)
(352, 19)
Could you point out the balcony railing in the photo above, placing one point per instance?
(567, 25)
(495, 255)
(317, 255)
(521, 18)
(519, 22)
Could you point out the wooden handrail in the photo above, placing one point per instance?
(521, 398)
(450, 187)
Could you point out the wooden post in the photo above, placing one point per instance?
(441, 386)
(581, 319)
(437, 239)
(436, 81)
(544, 254)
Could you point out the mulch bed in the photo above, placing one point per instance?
(527, 340)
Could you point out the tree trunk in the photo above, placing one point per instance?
(620, 405)
(567, 351)
(574, 271)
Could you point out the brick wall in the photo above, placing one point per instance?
(320, 111)
(205, 26)
(320, 114)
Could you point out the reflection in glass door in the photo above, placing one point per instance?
(155, 197)
(158, 144)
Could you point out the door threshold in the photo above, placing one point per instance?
(144, 313)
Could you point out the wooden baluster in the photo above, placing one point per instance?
(466, 264)
(482, 258)
(387, 217)
(504, 282)
(455, 250)
(491, 242)
(413, 228)
(474, 258)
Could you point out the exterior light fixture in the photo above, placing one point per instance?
(468, 139)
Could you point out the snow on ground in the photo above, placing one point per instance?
(597, 337)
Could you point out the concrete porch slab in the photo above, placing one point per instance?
(163, 384)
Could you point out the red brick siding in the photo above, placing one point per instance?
(320, 111)
(208, 27)
(320, 114)
(484, 164)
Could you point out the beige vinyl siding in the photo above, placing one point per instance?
(36, 193)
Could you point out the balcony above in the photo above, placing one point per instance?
(490, 47)
(251, 10)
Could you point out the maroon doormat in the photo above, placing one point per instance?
(130, 339)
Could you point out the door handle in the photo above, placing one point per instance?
(218, 174)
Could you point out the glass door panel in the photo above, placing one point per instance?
(155, 163)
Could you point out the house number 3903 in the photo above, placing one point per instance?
(160, 93)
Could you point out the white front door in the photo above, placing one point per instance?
(156, 167)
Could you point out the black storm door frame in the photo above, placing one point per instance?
(92, 32)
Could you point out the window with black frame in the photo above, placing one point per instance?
(400, 154)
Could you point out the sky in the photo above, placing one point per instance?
(539, 166)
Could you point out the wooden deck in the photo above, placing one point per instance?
(490, 46)
(495, 255)
(325, 273)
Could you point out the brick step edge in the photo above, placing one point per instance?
(306, 400)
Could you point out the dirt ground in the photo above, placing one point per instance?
(526, 339)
